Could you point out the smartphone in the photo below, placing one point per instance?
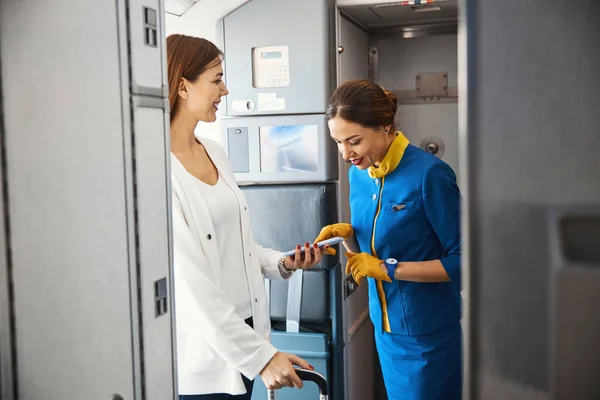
(322, 243)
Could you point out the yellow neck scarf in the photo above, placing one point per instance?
(392, 157)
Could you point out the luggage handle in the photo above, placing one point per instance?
(307, 375)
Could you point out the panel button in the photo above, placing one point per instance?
(150, 38)
(150, 16)
(160, 297)
(374, 197)
(238, 142)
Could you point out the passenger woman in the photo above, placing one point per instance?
(222, 316)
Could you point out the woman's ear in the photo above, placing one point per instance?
(182, 90)
(386, 128)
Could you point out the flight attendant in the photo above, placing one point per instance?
(405, 238)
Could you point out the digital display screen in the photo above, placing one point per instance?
(270, 55)
(292, 148)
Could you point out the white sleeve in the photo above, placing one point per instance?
(205, 303)
(269, 263)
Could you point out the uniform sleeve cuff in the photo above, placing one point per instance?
(391, 265)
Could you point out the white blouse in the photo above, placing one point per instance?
(225, 213)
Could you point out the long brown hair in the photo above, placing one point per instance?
(188, 57)
(365, 103)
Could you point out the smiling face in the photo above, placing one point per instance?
(362, 146)
(201, 98)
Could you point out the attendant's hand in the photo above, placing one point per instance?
(279, 372)
(335, 230)
(363, 264)
(304, 260)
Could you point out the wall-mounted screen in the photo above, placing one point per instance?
(291, 148)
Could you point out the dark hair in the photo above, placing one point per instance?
(188, 57)
(365, 103)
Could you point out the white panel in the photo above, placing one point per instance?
(146, 59)
(64, 142)
(400, 60)
(150, 159)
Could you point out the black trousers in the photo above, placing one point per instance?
(224, 396)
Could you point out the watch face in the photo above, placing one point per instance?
(391, 261)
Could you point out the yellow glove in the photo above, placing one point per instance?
(330, 231)
(363, 264)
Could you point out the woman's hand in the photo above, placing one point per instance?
(304, 260)
(363, 264)
(279, 372)
(335, 230)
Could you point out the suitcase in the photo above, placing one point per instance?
(311, 347)
(307, 375)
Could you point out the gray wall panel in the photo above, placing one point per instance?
(359, 347)
(532, 140)
(303, 25)
(400, 60)
(65, 162)
(284, 216)
(7, 386)
(154, 255)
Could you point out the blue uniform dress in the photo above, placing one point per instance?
(408, 209)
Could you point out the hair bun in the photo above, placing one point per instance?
(393, 99)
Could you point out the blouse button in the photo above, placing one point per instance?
(256, 300)
(374, 196)
(209, 236)
(377, 181)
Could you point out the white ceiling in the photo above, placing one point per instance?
(178, 7)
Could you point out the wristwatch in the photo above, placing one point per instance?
(391, 264)
(282, 269)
